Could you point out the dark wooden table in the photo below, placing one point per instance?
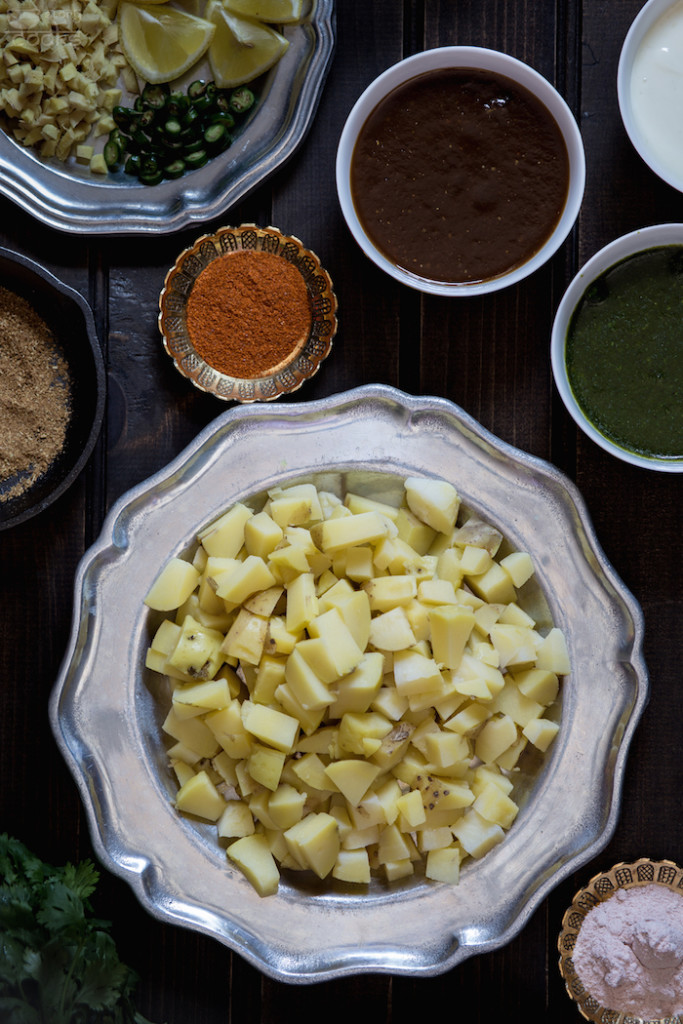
(490, 355)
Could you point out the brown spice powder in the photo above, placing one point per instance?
(247, 311)
(35, 396)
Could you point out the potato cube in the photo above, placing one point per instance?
(351, 531)
(227, 728)
(200, 797)
(411, 810)
(519, 566)
(261, 534)
(295, 505)
(496, 736)
(270, 726)
(265, 765)
(414, 531)
(355, 728)
(305, 684)
(192, 732)
(352, 866)
(538, 684)
(215, 693)
(436, 592)
(246, 637)
(451, 626)
(434, 502)
(391, 631)
(541, 732)
(236, 821)
(247, 578)
(286, 806)
(552, 653)
(314, 841)
(357, 690)
(352, 777)
(197, 652)
(173, 586)
(511, 701)
(302, 602)
(476, 835)
(225, 536)
(385, 592)
(414, 673)
(338, 639)
(493, 585)
(443, 865)
(359, 564)
(494, 805)
(252, 855)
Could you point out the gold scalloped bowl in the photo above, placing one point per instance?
(602, 887)
(308, 351)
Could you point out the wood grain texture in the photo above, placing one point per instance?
(490, 355)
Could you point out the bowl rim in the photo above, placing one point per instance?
(639, 240)
(99, 728)
(304, 360)
(602, 886)
(51, 281)
(646, 18)
(489, 60)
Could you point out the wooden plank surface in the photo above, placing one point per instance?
(490, 355)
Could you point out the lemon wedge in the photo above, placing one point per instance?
(160, 42)
(241, 49)
(281, 12)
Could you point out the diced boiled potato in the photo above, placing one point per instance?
(252, 855)
(353, 684)
(451, 626)
(352, 777)
(173, 586)
(314, 841)
(520, 567)
(435, 502)
(391, 631)
(236, 821)
(200, 797)
(352, 866)
(496, 736)
(443, 865)
(538, 684)
(552, 653)
(541, 732)
(476, 835)
(225, 537)
(351, 531)
(270, 725)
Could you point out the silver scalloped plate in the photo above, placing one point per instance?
(106, 715)
(71, 198)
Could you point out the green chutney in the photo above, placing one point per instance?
(624, 353)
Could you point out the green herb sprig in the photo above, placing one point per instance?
(58, 963)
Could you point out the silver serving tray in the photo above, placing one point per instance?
(106, 715)
(69, 197)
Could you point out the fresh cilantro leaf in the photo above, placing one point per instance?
(58, 963)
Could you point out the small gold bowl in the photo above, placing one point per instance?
(266, 383)
(600, 888)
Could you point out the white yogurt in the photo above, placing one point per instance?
(656, 91)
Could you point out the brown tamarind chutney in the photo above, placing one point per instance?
(459, 175)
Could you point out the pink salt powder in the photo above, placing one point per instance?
(629, 951)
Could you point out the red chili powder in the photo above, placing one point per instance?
(247, 311)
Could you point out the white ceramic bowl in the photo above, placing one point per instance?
(622, 247)
(486, 60)
(654, 126)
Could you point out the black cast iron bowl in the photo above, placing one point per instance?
(71, 321)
